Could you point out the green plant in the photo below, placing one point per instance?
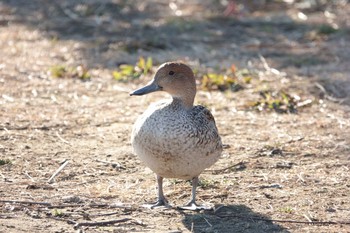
(287, 210)
(277, 101)
(326, 29)
(244, 74)
(204, 183)
(221, 82)
(128, 72)
(5, 161)
(144, 66)
(229, 79)
(60, 71)
(57, 213)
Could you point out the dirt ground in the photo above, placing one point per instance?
(278, 172)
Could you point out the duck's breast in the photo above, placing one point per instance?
(176, 142)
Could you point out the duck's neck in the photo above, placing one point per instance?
(186, 102)
(185, 96)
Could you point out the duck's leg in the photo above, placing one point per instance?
(161, 198)
(192, 205)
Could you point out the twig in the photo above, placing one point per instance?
(268, 68)
(307, 217)
(208, 222)
(278, 186)
(89, 205)
(4, 177)
(25, 127)
(264, 62)
(31, 178)
(26, 202)
(87, 182)
(51, 206)
(102, 223)
(325, 92)
(59, 152)
(8, 128)
(103, 214)
(114, 164)
(242, 163)
(2, 216)
(300, 177)
(69, 221)
(62, 139)
(286, 221)
(58, 171)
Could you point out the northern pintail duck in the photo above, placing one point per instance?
(174, 138)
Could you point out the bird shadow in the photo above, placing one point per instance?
(230, 218)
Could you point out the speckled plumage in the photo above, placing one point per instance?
(175, 142)
(174, 138)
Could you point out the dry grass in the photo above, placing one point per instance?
(278, 173)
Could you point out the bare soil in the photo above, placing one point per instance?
(278, 172)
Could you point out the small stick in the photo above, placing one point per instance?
(227, 168)
(87, 182)
(26, 202)
(58, 171)
(4, 177)
(62, 139)
(324, 91)
(208, 222)
(5, 216)
(31, 178)
(264, 62)
(102, 223)
(104, 214)
(114, 164)
(69, 221)
(51, 206)
(89, 205)
(59, 152)
(309, 219)
(300, 177)
(286, 221)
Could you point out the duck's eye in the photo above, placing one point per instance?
(171, 72)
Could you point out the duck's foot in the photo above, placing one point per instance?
(193, 206)
(158, 204)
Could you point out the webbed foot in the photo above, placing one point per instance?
(158, 204)
(193, 206)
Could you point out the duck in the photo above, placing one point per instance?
(174, 137)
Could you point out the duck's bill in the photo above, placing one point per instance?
(152, 87)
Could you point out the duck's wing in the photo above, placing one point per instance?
(205, 127)
(203, 115)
